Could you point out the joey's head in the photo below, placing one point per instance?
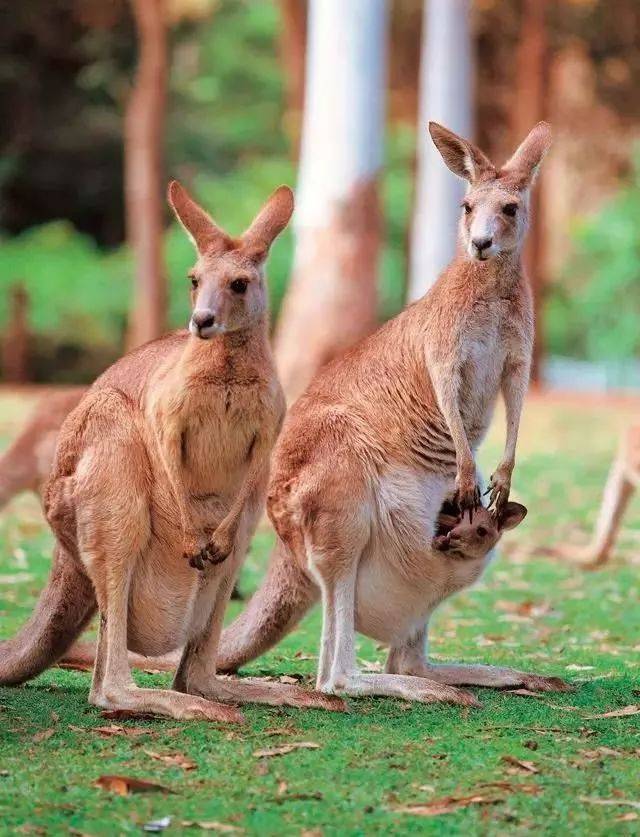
(495, 210)
(470, 539)
(228, 290)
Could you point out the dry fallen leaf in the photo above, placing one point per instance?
(124, 785)
(222, 827)
(116, 729)
(522, 765)
(43, 735)
(71, 666)
(446, 805)
(630, 817)
(173, 759)
(285, 678)
(632, 709)
(286, 748)
(628, 803)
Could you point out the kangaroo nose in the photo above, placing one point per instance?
(203, 319)
(482, 243)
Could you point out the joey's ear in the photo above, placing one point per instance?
(199, 226)
(461, 156)
(269, 223)
(524, 164)
(512, 515)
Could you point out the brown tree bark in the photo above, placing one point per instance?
(331, 302)
(143, 175)
(15, 345)
(293, 45)
(530, 107)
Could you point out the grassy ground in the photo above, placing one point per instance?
(531, 764)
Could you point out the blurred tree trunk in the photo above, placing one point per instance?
(15, 345)
(332, 300)
(143, 145)
(293, 43)
(530, 108)
(445, 96)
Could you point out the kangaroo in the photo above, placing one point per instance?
(388, 431)
(623, 480)
(157, 485)
(26, 464)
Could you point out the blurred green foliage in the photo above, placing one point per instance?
(593, 310)
(231, 149)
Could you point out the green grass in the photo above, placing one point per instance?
(529, 612)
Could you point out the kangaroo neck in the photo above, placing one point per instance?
(494, 277)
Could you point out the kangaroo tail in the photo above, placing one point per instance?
(83, 655)
(284, 597)
(63, 610)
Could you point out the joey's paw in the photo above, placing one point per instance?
(538, 683)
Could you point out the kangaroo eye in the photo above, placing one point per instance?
(467, 207)
(510, 209)
(482, 532)
(239, 286)
(194, 282)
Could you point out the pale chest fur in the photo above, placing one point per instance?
(494, 334)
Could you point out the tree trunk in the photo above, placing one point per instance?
(445, 97)
(293, 44)
(144, 203)
(530, 107)
(331, 301)
(15, 345)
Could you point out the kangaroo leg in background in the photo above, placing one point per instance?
(410, 658)
(618, 491)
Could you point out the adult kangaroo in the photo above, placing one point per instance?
(383, 435)
(157, 485)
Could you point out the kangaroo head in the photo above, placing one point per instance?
(474, 538)
(228, 291)
(496, 207)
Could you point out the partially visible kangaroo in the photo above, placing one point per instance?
(157, 485)
(26, 464)
(623, 480)
(384, 434)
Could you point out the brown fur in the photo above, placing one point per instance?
(26, 464)
(380, 438)
(160, 468)
(622, 482)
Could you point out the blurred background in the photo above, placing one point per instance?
(100, 103)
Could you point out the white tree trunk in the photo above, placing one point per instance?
(331, 301)
(445, 97)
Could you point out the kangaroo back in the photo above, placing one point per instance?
(279, 604)
(63, 611)
(26, 463)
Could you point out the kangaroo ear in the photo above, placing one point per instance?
(199, 226)
(524, 164)
(511, 516)
(461, 156)
(269, 223)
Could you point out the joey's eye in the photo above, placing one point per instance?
(510, 209)
(194, 282)
(467, 207)
(482, 532)
(239, 286)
